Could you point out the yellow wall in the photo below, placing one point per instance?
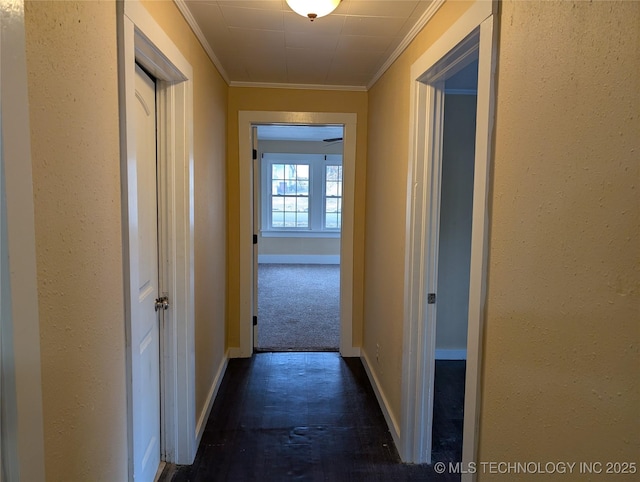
(561, 348)
(386, 199)
(209, 135)
(562, 335)
(261, 99)
(562, 340)
(73, 96)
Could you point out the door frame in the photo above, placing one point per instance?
(142, 40)
(22, 453)
(247, 119)
(475, 30)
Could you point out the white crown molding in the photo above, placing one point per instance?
(422, 21)
(415, 30)
(269, 85)
(186, 13)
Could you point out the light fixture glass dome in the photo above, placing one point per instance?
(313, 8)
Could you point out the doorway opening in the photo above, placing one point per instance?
(298, 178)
(454, 258)
(448, 243)
(247, 122)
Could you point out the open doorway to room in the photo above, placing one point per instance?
(447, 247)
(298, 187)
(454, 258)
(247, 122)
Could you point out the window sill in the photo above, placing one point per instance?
(301, 234)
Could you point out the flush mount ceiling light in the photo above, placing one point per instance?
(313, 8)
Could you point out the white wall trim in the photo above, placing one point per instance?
(142, 40)
(352, 352)
(392, 423)
(22, 435)
(246, 119)
(186, 13)
(273, 85)
(451, 353)
(211, 397)
(475, 27)
(415, 30)
(299, 259)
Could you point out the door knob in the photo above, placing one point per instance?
(162, 303)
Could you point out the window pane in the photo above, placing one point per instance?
(302, 171)
(331, 222)
(333, 197)
(277, 171)
(277, 204)
(334, 173)
(277, 219)
(290, 204)
(302, 220)
(334, 188)
(303, 188)
(289, 195)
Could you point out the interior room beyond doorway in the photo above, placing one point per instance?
(298, 214)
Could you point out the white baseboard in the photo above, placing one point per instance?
(350, 352)
(211, 396)
(394, 428)
(299, 259)
(451, 354)
(234, 352)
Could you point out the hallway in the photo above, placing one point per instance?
(299, 416)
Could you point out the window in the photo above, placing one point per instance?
(333, 196)
(301, 193)
(289, 195)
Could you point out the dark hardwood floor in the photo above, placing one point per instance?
(313, 416)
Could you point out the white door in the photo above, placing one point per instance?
(145, 319)
(256, 229)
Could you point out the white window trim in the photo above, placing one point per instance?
(317, 183)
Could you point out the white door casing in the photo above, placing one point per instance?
(474, 31)
(142, 41)
(144, 276)
(22, 433)
(247, 119)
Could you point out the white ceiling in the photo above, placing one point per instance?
(265, 42)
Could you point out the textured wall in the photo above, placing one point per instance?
(562, 336)
(209, 136)
(256, 99)
(72, 81)
(386, 200)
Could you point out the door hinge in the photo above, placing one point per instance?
(255, 321)
(431, 299)
(255, 239)
(255, 154)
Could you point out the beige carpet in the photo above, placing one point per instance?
(298, 307)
